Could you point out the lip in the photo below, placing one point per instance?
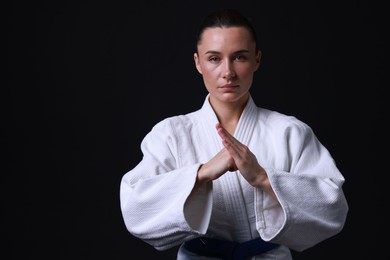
(229, 86)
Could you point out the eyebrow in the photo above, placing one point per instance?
(236, 52)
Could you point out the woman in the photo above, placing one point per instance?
(232, 179)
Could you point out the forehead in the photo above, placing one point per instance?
(231, 38)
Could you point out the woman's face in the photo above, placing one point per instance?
(227, 59)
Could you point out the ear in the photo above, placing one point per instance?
(197, 65)
(257, 61)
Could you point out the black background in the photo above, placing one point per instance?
(87, 80)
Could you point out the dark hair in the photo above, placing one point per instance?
(226, 18)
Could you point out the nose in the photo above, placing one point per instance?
(229, 72)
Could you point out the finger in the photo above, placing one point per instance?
(225, 135)
(233, 150)
(232, 145)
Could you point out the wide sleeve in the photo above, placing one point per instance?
(156, 196)
(309, 191)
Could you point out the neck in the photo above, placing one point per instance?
(229, 113)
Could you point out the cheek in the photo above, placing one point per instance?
(246, 71)
(209, 71)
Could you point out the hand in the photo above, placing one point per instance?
(242, 159)
(216, 167)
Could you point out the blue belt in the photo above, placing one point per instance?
(226, 249)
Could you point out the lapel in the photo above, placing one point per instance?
(246, 124)
(230, 188)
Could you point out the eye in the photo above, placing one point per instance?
(240, 57)
(214, 59)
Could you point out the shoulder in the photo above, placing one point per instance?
(275, 120)
(171, 133)
(281, 122)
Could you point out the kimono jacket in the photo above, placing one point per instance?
(159, 205)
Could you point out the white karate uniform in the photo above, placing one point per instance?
(159, 207)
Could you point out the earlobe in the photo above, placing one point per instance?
(258, 58)
(196, 60)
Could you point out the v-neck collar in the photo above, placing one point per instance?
(245, 124)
